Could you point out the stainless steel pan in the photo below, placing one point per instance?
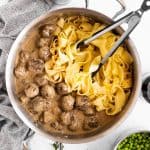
(30, 32)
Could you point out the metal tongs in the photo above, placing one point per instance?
(132, 19)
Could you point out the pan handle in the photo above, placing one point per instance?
(119, 12)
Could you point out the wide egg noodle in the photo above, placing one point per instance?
(110, 88)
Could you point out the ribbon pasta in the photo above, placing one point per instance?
(111, 87)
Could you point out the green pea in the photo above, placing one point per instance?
(136, 141)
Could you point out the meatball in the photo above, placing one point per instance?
(41, 80)
(52, 114)
(62, 88)
(66, 118)
(47, 30)
(56, 110)
(77, 120)
(49, 117)
(48, 91)
(82, 102)
(44, 53)
(44, 42)
(37, 104)
(36, 65)
(24, 99)
(31, 90)
(21, 71)
(56, 125)
(68, 103)
(51, 104)
(24, 56)
(91, 122)
(89, 111)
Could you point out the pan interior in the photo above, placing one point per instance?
(107, 122)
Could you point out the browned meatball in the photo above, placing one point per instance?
(91, 122)
(49, 117)
(82, 102)
(51, 111)
(47, 30)
(24, 56)
(66, 118)
(77, 120)
(44, 42)
(62, 88)
(68, 103)
(89, 111)
(44, 53)
(56, 125)
(41, 80)
(51, 104)
(24, 99)
(21, 71)
(31, 90)
(37, 104)
(56, 110)
(36, 65)
(48, 91)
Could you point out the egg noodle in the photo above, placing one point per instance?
(111, 87)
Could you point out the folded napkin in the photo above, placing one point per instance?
(13, 17)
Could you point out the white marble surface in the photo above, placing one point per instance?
(139, 118)
(2, 2)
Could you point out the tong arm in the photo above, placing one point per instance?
(108, 28)
(132, 20)
(132, 23)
